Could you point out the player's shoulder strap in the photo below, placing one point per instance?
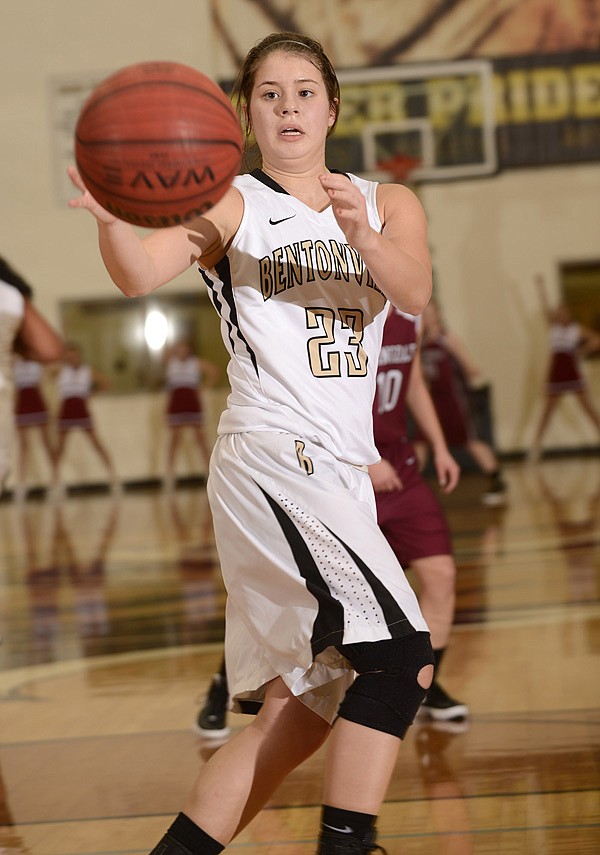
(265, 179)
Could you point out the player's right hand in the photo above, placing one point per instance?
(87, 201)
(384, 477)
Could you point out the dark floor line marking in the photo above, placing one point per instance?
(414, 836)
(167, 816)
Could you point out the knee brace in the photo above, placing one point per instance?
(386, 694)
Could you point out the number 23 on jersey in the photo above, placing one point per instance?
(340, 334)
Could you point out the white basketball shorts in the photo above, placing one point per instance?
(305, 566)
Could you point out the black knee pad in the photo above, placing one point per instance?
(386, 694)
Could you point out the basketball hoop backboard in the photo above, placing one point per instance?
(433, 121)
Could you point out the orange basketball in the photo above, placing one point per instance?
(157, 143)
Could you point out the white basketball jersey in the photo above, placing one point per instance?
(302, 320)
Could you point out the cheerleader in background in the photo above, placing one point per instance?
(185, 375)
(76, 383)
(570, 342)
(31, 413)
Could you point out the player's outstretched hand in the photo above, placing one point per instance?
(86, 200)
(349, 208)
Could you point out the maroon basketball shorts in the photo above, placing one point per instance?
(412, 519)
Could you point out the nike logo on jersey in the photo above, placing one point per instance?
(282, 220)
(345, 830)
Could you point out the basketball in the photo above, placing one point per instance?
(157, 144)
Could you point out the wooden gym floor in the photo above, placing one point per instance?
(112, 622)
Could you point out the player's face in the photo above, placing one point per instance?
(289, 109)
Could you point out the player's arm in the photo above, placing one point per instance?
(590, 341)
(540, 284)
(398, 258)
(422, 408)
(36, 339)
(384, 477)
(140, 265)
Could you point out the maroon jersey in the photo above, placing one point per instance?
(411, 518)
(393, 373)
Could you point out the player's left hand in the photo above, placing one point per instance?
(447, 469)
(349, 208)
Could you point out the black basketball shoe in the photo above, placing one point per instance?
(212, 718)
(338, 843)
(440, 706)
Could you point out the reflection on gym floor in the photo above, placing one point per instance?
(112, 616)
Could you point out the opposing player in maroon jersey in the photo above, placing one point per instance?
(408, 511)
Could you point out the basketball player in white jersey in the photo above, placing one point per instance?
(408, 511)
(25, 331)
(301, 265)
